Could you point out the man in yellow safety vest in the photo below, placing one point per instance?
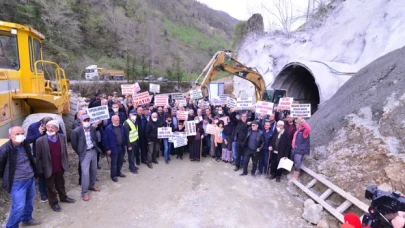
(132, 131)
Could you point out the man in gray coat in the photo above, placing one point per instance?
(52, 162)
(84, 143)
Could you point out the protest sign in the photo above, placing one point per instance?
(137, 88)
(127, 89)
(216, 101)
(211, 128)
(225, 119)
(190, 128)
(231, 103)
(303, 110)
(182, 115)
(182, 102)
(177, 96)
(286, 164)
(141, 98)
(263, 107)
(161, 100)
(285, 103)
(98, 113)
(244, 103)
(154, 88)
(195, 94)
(179, 139)
(223, 98)
(164, 132)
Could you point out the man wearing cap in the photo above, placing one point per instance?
(115, 141)
(252, 145)
(52, 162)
(280, 149)
(84, 143)
(131, 131)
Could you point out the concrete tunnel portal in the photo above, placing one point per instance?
(312, 82)
(300, 84)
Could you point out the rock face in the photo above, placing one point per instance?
(312, 212)
(256, 24)
(357, 136)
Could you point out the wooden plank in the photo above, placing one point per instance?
(336, 189)
(324, 204)
(326, 194)
(311, 183)
(344, 206)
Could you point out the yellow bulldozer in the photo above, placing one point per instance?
(24, 89)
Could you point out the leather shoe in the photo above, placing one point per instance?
(68, 200)
(33, 222)
(95, 189)
(122, 175)
(115, 179)
(150, 166)
(236, 169)
(134, 172)
(272, 177)
(156, 162)
(85, 198)
(56, 208)
(243, 174)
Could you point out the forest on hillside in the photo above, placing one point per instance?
(172, 38)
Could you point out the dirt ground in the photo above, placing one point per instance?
(180, 194)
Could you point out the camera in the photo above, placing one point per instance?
(382, 203)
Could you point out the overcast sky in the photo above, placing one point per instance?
(243, 9)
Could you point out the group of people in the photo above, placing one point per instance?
(240, 136)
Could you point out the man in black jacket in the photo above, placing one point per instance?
(280, 148)
(18, 170)
(238, 136)
(152, 139)
(141, 122)
(252, 145)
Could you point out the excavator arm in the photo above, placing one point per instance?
(223, 62)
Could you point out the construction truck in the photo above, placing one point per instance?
(223, 61)
(93, 73)
(25, 92)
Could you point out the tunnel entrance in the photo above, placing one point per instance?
(300, 84)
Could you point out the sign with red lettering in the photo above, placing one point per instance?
(161, 100)
(141, 98)
(264, 107)
(285, 103)
(182, 115)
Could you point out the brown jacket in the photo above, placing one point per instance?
(43, 155)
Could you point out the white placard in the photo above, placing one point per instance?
(264, 107)
(161, 100)
(141, 98)
(154, 88)
(127, 89)
(244, 103)
(190, 128)
(179, 139)
(195, 94)
(285, 103)
(223, 98)
(164, 132)
(182, 115)
(216, 101)
(177, 96)
(211, 129)
(303, 110)
(286, 164)
(182, 102)
(137, 88)
(231, 103)
(98, 113)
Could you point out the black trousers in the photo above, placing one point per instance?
(239, 155)
(218, 150)
(273, 167)
(55, 185)
(143, 148)
(117, 160)
(249, 153)
(180, 151)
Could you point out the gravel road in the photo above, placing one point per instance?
(181, 194)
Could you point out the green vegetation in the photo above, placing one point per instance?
(241, 30)
(171, 38)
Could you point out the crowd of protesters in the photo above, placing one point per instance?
(131, 135)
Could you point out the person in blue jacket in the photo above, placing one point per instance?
(36, 130)
(114, 142)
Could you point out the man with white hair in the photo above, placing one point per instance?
(52, 162)
(280, 148)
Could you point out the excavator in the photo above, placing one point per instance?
(223, 61)
(24, 89)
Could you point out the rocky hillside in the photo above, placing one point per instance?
(141, 36)
(357, 136)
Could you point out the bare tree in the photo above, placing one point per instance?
(283, 12)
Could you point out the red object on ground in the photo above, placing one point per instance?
(353, 220)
